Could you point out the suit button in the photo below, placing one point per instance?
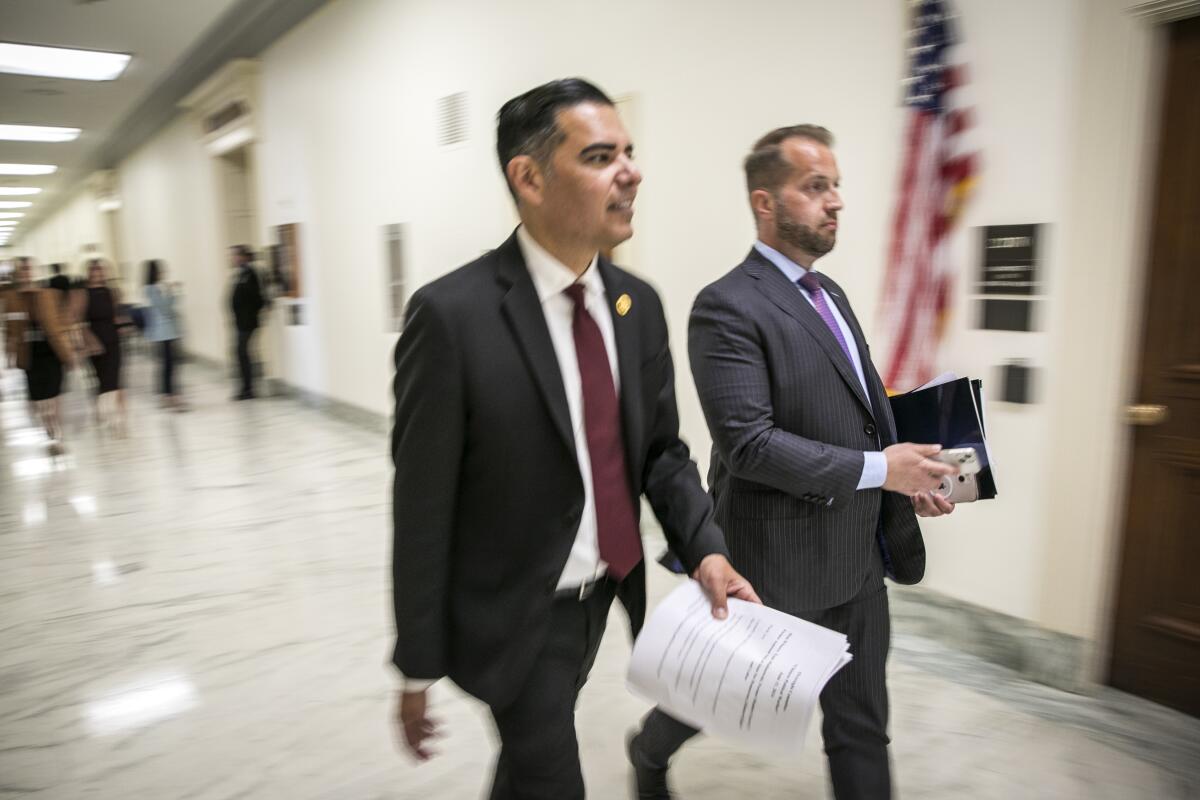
(869, 429)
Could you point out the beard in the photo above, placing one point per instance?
(801, 236)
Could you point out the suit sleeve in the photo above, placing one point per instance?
(730, 369)
(427, 443)
(671, 480)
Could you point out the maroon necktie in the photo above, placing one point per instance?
(616, 524)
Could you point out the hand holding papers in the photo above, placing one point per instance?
(753, 678)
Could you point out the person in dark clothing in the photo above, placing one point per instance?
(246, 301)
(37, 342)
(101, 313)
(59, 281)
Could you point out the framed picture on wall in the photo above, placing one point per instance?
(285, 260)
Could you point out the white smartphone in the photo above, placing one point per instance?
(959, 488)
(965, 458)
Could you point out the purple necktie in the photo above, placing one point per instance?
(616, 524)
(809, 281)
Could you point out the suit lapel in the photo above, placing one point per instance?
(629, 367)
(780, 291)
(524, 314)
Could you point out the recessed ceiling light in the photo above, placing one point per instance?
(27, 169)
(61, 62)
(37, 133)
(15, 204)
(18, 191)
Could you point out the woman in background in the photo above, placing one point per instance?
(101, 314)
(38, 343)
(162, 327)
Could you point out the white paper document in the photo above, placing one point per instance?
(753, 678)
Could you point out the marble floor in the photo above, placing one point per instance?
(200, 611)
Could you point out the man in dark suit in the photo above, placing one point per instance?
(815, 496)
(535, 405)
(246, 302)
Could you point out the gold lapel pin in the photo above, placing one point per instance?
(624, 303)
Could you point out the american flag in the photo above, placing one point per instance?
(938, 173)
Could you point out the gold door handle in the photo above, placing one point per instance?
(1146, 414)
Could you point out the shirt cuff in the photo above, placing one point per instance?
(874, 472)
(415, 684)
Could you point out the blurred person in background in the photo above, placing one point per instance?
(58, 280)
(247, 302)
(6, 287)
(100, 314)
(37, 342)
(162, 327)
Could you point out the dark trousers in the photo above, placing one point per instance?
(854, 703)
(539, 754)
(166, 350)
(245, 367)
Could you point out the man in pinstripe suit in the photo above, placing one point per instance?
(817, 499)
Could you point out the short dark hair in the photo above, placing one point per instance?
(766, 167)
(153, 269)
(528, 123)
(244, 251)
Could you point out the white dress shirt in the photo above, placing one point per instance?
(550, 279)
(874, 462)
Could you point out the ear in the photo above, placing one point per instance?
(526, 178)
(763, 204)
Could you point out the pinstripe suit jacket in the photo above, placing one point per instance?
(790, 423)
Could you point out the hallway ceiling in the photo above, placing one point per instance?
(174, 45)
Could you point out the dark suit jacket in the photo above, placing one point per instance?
(488, 496)
(246, 300)
(790, 424)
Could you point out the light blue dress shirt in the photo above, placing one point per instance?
(161, 321)
(874, 462)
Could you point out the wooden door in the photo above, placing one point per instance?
(1156, 641)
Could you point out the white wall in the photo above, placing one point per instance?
(69, 236)
(347, 121)
(169, 210)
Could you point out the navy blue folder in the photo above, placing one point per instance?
(949, 415)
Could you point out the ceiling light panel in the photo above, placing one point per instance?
(37, 133)
(61, 62)
(27, 169)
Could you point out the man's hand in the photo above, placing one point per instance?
(414, 728)
(931, 504)
(719, 580)
(910, 471)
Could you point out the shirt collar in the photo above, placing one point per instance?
(791, 269)
(550, 276)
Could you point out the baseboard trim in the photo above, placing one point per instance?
(340, 410)
(1048, 657)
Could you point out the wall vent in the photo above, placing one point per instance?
(452, 119)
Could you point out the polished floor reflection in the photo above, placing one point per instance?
(200, 611)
